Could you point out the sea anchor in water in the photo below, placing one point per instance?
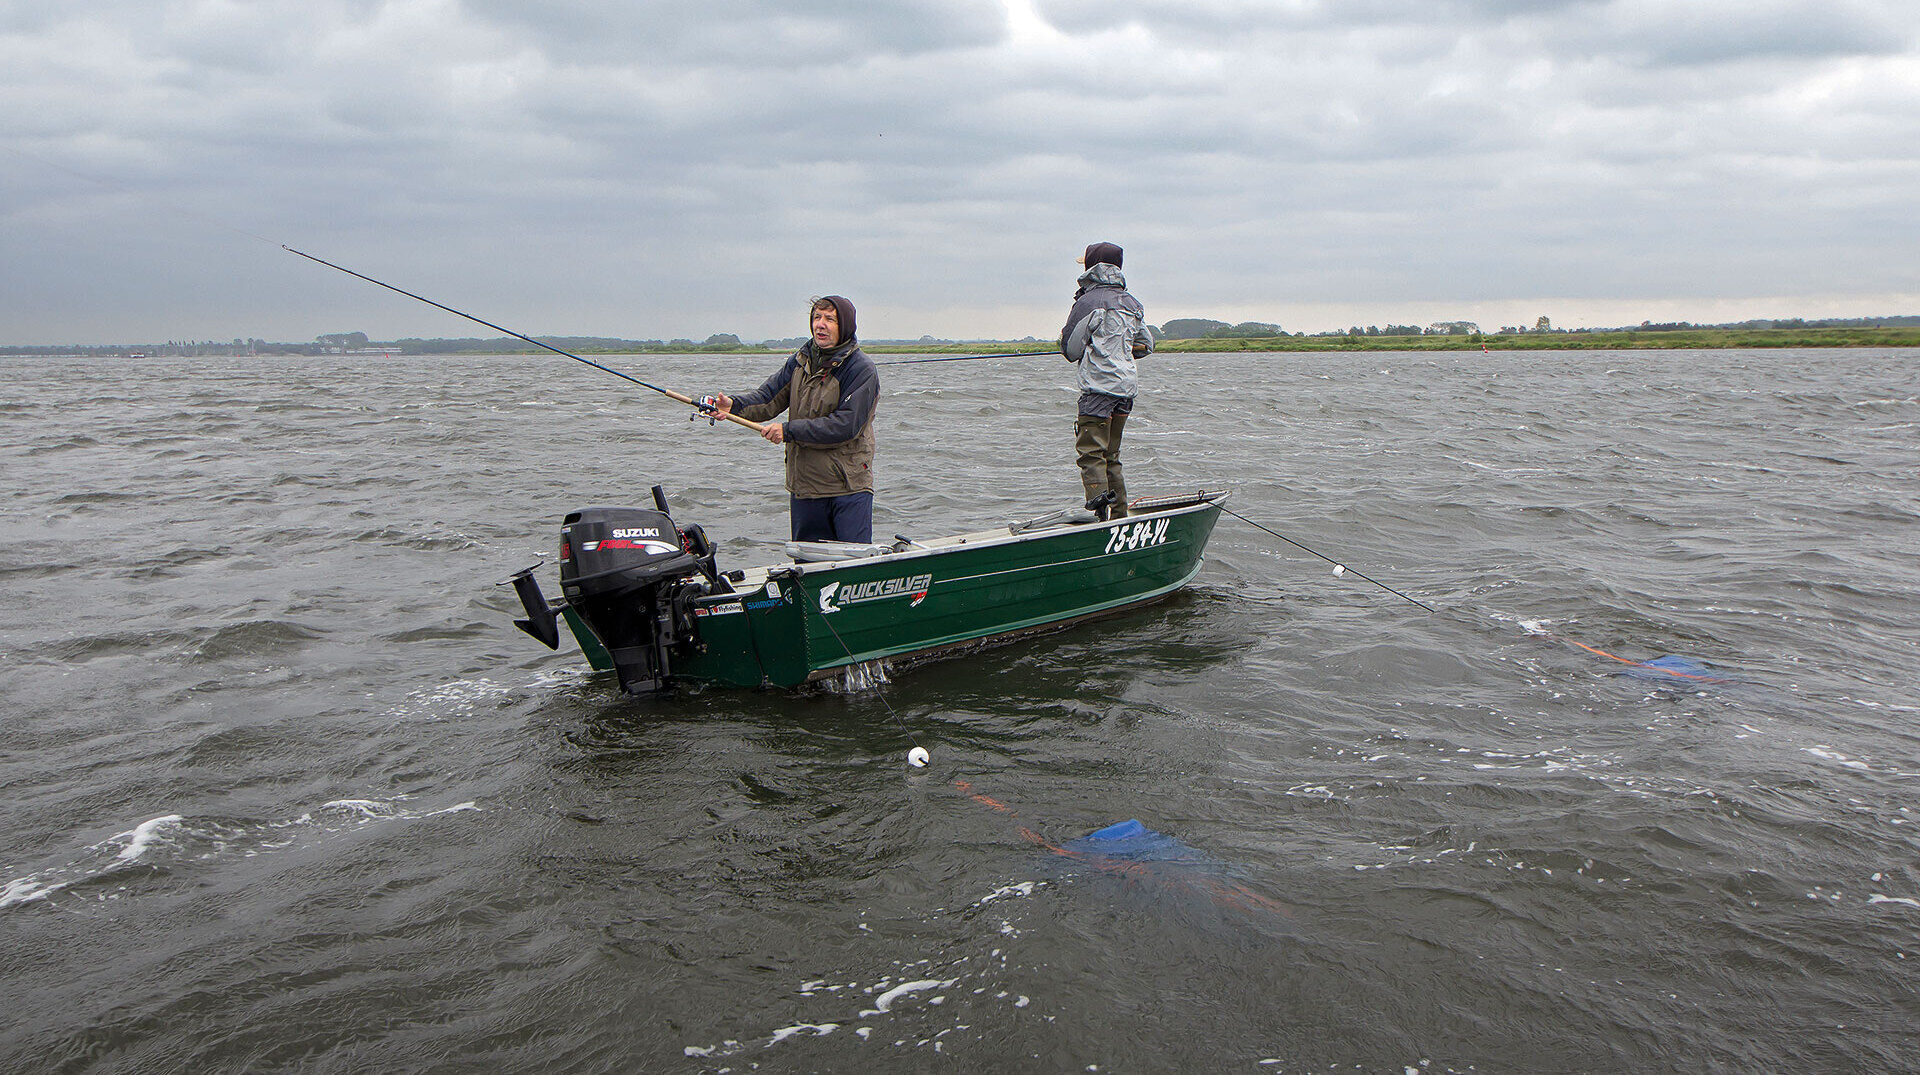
(1131, 852)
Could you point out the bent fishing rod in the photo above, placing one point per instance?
(704, 408)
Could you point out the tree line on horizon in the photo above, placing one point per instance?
(1178, 329)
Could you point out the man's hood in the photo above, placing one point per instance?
(1102, 273)
(815, 359)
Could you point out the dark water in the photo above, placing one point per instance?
(285, 791)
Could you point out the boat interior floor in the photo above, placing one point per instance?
(823, 555)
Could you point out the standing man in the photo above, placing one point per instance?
(829, 389)
(1105, 333)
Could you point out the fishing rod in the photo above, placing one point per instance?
(704, 408)
(963, 358)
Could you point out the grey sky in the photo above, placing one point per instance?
(673, 169)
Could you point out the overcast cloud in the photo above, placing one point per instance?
(674, 170)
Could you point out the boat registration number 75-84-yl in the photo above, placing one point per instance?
(1137, 535)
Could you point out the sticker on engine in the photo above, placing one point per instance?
(651, 548)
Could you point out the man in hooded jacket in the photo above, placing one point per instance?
(829, 389)
(1105, 333)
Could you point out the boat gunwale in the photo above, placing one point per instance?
(980, 539)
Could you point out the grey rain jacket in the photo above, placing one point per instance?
(829, 400)
(1105, 329)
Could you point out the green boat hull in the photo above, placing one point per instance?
(794, 623)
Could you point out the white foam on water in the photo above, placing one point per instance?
(1017, 890)
(366, 808)
(328, 816)
(820, 1030)
(1552, 760)
(884, 1002)
(208, 840)
(904, 994)
(143, 836)
(858, 678)
(460, 698)
(1532, 627)
(1504, 470)
(1882, 705)
(1877, 898)
(126, 847)
(1830, 754)
(26, 889)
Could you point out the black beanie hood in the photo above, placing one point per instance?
(1103, 253)
(844, 309)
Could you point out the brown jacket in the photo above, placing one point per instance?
(829, 400)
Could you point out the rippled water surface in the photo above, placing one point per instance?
(285, 790)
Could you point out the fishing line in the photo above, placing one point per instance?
(1338, 567)
(917, 757)
(963, 358)
(703, 408)
(1650, 666)
(142, 195)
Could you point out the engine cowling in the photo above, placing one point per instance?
(628, 574)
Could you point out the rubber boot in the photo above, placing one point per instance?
(1119, 488)
(1099, 501)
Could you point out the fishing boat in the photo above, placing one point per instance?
(643, 596)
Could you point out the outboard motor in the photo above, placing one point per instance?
(627, 572)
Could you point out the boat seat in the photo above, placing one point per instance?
(814, 552)
(1063, 517)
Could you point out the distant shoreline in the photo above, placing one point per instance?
(1579, 340)
(1568, 340)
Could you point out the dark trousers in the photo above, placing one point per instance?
(832, 518)
(1097, 441)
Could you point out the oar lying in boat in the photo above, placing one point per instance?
(704, 408)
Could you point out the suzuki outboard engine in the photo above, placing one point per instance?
(627, 573)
